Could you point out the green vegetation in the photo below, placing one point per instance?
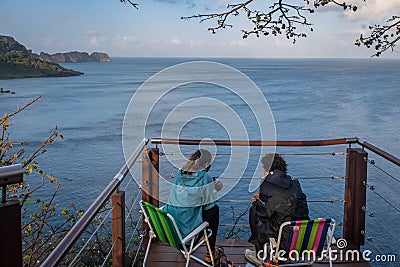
(18, 62)
(44, 221)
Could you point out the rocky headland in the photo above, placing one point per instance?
(74, 57)
(18, 62)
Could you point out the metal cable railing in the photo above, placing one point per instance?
(176, 153)
(78, 255)
(57, 255)
(383, 197)
(61, 250)
(373, 163)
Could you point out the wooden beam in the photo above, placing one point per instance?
(355, 196)
(10, 233)
(118, 229)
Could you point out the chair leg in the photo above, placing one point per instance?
(208, 247)
(189, 253)
(330, 258)
(147, 251)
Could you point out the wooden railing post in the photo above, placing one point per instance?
(355, 196)
(118, 229)
(150, 168)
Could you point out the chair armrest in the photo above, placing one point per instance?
(272, 242)
(197, 230)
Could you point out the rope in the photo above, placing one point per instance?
(372, 188)
(372, 162)
(87, 242)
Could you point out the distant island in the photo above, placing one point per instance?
(18, 62)
(74, 57)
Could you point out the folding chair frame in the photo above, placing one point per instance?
(275, 246)
(186, 250)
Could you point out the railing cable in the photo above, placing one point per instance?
(372, 215)
(333, 153)
(332, 177)
(372, 162)
(310, 201)
(133, 233)
(109, 252)
(372, 188)
(137, 252)
(92, 235)
(380, 251)
(130, 180)
(132, 206)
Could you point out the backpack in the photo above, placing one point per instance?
(222, 260)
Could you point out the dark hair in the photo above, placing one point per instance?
(273, 162)
(197, 161)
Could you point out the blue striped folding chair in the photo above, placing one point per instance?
(162, 226)
(307, 241)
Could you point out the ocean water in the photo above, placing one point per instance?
(308, 98)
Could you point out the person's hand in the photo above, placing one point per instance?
(255, 197)
(218, 185)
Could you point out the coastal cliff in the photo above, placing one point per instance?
(74, 57)
(18, 62)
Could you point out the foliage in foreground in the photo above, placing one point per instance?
(44, 222)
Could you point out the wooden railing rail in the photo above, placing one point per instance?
(327, 142)
(379, 152)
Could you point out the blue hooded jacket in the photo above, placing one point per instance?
(189, 195)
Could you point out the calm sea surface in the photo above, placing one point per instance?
(309, 99)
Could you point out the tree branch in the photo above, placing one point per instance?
(135, 5)
(280, 18)
(382, 37)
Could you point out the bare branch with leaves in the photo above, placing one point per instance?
(43, 223)
(135, 5)
(279, 18)
(382, 37)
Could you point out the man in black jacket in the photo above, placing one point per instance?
(280, 200)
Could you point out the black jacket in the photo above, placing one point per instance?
(281, 199)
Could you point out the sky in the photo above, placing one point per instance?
(157, 30)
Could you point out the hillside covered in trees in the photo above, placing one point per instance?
(18, 62)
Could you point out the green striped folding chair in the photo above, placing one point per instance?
(162, 226)
(307, 241)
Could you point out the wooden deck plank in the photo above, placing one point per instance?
(162, 255)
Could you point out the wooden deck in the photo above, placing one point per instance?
(165, 256)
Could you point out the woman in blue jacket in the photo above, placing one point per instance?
(192, 197)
